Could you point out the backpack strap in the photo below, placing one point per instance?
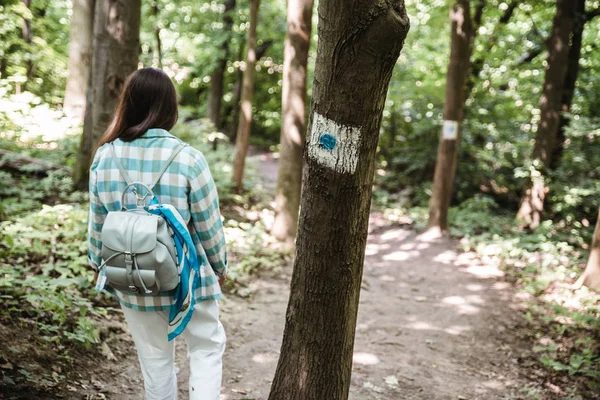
(119, 166)
(130, 183)
(167, 163)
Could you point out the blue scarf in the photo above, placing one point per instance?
(189, 276)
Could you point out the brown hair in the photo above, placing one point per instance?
(147, 101)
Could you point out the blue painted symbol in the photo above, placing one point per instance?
(327, 141)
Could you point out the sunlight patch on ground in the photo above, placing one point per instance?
(457, 329)
(493, 384)
(447, 257)
(474, 287)
(373, 249)
(365, 359)
(423, 326)
(401, 255)
(484, 271)
(464, 305)
(264, 358)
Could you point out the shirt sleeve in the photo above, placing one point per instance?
(96, 220)
(206, 216)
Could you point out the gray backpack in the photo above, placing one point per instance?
(138, 249)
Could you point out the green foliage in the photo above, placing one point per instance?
(44, 272)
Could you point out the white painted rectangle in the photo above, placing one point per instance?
(334, 145)
(450, 130)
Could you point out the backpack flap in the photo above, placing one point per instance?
(131, 232)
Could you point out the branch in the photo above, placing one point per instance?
(22, 163)
(592, 14)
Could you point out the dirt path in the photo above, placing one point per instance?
(433, 324)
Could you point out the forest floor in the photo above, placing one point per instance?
(433, 323)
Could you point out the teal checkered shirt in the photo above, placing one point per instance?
(187, 185)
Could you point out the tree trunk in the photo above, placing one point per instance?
(116, 44)
(27, 38)
(591, 275)
(234, 108)
(157, 42)
(215, 95)
(461, 47)
(532, 202)
(80, 53)
(359, 43)
(293, 120)
(237, 89)
(570, 79)
(243, 132)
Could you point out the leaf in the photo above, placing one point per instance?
(6, 366)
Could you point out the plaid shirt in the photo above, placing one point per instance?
(187, 185)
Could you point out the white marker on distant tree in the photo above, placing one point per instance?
(450, 130)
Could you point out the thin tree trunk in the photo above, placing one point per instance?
(591, 275)
(28, 38)
(80, 53)
(570, 79)
(157, 42)
(293, 120)
(359, 43)
(115, 56)
(461, 47)
(215, 95)
(532, 202)
(243, 133)
(237, 89)
(234, 107)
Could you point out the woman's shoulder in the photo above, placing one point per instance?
(193, 158)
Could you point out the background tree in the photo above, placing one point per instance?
(243, 133)
(353, 70)
(115, 56)
(532, 203)
(461, 47)
(591, 274)
(293, 120)
(80, 53)
(217, 76)
(157, 40)
(28, 37)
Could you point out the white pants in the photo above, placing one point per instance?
(205, 338)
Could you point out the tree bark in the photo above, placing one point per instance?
(532, 202)
(461, 48)
(359, 43)
(243, 133)
(591, 275)
(28, 38)
(157, 42)
(293, 120)
(237, 89)
(80, 53)
(215, 95)
(115, 56)
(570, 79)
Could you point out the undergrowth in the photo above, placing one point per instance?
(543, 265)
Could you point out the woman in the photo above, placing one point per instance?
(146, 112)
